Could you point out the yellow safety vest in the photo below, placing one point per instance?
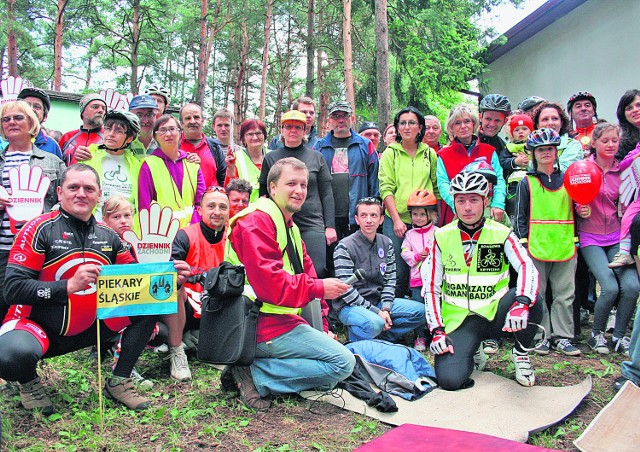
(248, 171)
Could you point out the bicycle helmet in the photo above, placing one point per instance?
(529, 102)
(132, 121)
(581, 95)
(421, 198)
(466, 183)
(160, 91)
(481, 166)
(37, 92)
(495, 102)
(543, 137)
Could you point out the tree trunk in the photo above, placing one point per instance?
(57, 46)
(287, 77)
(321, 117)
(242, 67)
(207, 56)
(87, 83)
(265, 60)
(12, 46)
(202, 70)
(348, 54)
(135, 42)
(311, 48)
(382, 64)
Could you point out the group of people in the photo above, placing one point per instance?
(394, 232)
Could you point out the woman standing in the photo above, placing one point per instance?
(462, 125)
(316, 218)
(166, 176)
(246, 163)
(599, 229)
(628, 114)
(406, 165)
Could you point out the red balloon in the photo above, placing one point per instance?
(582, 181)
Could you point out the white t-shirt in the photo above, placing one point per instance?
(115, 180)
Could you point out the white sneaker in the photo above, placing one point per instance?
(479, 359)
(524, 370)
(179, 365)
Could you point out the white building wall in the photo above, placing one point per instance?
(595, 48)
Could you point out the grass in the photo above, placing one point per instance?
(200, 416)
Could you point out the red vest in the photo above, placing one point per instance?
(201, 257)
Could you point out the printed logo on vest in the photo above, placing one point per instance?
(489, 257)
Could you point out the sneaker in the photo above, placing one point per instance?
(542, 349)
(619, 383)
(621, 260)
(140, 380)
(479, 359)
(162, 348)
(490, 346)
(179, 365)
(122, 390)
(524, 370)
(621, 345)
(420, 344)
(565, 347)
(598, 344)
(611, 321)
(33, 396)
(248, 392)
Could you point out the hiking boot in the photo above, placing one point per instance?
(248, 392)
(524, 370)
(621, 260)
(179, 365)
(542, 349)
(621, 345)
(122, 390)
(33, 396)
(227, 382)
(565, 347)
(490, 346)
(420, 345)
(140, 380)
(598, 344)
(479, 359)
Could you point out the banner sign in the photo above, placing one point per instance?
(137, 289)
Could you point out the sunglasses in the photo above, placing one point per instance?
(215, 189)
(369, 200)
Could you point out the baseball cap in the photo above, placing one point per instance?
(340, 106)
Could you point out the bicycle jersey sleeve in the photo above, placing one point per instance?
(431, 272)
(528, 277)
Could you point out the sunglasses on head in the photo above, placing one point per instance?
(214, 189)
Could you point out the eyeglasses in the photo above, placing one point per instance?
(408, 123)
(253, 134)
(36, 107)
(215, 189)
(166, 130)
(340, 115)
(116, 130)
(292, 127)
(16, 118)
(145, 115)
(369, 200)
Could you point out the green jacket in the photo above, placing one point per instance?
(400, 175)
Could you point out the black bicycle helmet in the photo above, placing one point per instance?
(529, 103)
(37, 92)
(581, 95)
(543, 137)
(495, 102)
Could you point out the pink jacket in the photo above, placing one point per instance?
(415, 241)
(604, 208)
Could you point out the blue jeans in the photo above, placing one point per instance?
(402, 268)
(407, 315)
(631, 368)
(301, 359)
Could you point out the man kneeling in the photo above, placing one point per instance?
(466, 288)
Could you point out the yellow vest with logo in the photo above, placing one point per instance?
(248, 171)
(476, 289)
(167, 191)
(270, 208)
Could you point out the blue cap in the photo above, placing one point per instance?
(142, 101)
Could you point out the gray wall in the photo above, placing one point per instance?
(594, 48)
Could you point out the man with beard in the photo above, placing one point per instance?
(212, 159)
(92, 111)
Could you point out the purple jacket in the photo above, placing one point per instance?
(604, 218)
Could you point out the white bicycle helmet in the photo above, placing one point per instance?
(160, 91)
(466, 183)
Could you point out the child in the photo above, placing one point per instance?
(516, 159)
(117, 213)
(417, 241)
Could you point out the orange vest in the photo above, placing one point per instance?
(201, 257)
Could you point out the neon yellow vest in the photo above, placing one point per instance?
(168, 193)
(551, 228)
(478, 288)
(248, 171)
(270, 208)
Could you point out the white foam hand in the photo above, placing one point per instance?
(28, 190)
(111, 98)
(125, 100)
(11, 87)
(158, 228)
(629, 183)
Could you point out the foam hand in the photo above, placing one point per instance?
(629, 183)
(28, 190)
(111, 98)
(11, 87)
(158, 228)
(123, 103)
